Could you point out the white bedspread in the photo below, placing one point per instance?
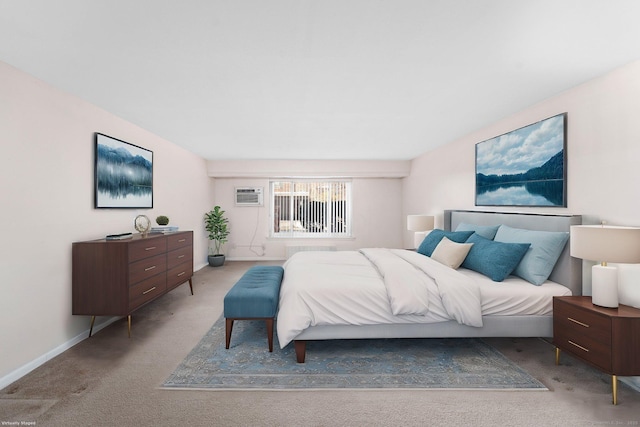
(372, 286)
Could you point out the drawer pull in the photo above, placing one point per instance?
(579, 346)
(150, 248)
(182, 240)
(150, 268)
(182, 274)
(579, 323)
(148, 290)
(181, 256)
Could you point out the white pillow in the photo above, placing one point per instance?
(450, 253)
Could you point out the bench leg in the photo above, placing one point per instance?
(301, 349)
(229, 328)
(269, 322)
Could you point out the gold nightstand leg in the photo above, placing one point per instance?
(614, 388)
(129, 325)
(557, 356)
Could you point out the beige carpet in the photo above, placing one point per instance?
(110, 380)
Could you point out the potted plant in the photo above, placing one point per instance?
(216, 225)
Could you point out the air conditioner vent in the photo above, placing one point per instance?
(249, 196)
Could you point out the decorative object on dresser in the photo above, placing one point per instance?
(605, 244)
(142, 224)
(419, 224)
(123, 174)
(606, 338)
(217, 225)
(162, 220)
(116, 277)
(524, 167)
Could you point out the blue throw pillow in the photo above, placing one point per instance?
(430, 242)
(496, 260)
(486, 231)
(538, 262)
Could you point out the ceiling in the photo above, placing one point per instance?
(324, 79)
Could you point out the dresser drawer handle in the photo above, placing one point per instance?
(150, 249)
(182, 274)
(181, 256)
(150, 268)
(148, 290)
(182, 240)
(579, 346)
(579, 323)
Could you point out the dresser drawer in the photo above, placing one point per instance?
(179, 256)
(179, 274)
(179, 240)
(146, 268)
(577, 321)
(586, 348)
(147, 290)
(146, 248)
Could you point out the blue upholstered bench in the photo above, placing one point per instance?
(254, 296)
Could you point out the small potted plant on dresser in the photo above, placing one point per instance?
(217, 225)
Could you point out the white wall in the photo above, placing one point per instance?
(603, 156)
(377, 219)
(46, 165)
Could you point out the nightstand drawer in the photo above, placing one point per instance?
(586, 348)
(577, 321)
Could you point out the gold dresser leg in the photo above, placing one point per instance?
(557, 356)
(129, 325)
(614, 388)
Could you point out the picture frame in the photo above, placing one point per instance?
(524, 167)
(123, 174)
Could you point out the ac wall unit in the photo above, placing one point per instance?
(249, 196)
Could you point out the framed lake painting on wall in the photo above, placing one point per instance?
(524, 167)
(123, 174)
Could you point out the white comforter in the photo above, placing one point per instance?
(372, 286)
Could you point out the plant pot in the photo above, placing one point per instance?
(216, 260)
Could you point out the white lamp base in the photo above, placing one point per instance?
(604, 286)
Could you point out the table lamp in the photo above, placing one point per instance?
(605, 244)
(419, 224)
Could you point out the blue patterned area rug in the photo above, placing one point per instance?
(344, 364)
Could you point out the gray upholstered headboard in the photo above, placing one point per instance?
(568, 270)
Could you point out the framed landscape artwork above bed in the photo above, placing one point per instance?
(524, 167)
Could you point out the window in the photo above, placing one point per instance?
(306, 208)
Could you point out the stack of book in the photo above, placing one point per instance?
(164, 229)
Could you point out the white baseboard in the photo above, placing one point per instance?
(633, 382)
(28, 367)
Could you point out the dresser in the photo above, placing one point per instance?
(606, 338)
(116, 277)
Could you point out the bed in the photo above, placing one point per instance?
(366, 294)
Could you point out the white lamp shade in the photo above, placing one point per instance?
(605, 243)
(420, 222)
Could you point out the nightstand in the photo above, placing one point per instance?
(606, 338)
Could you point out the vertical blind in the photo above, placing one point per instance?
(303, 208)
